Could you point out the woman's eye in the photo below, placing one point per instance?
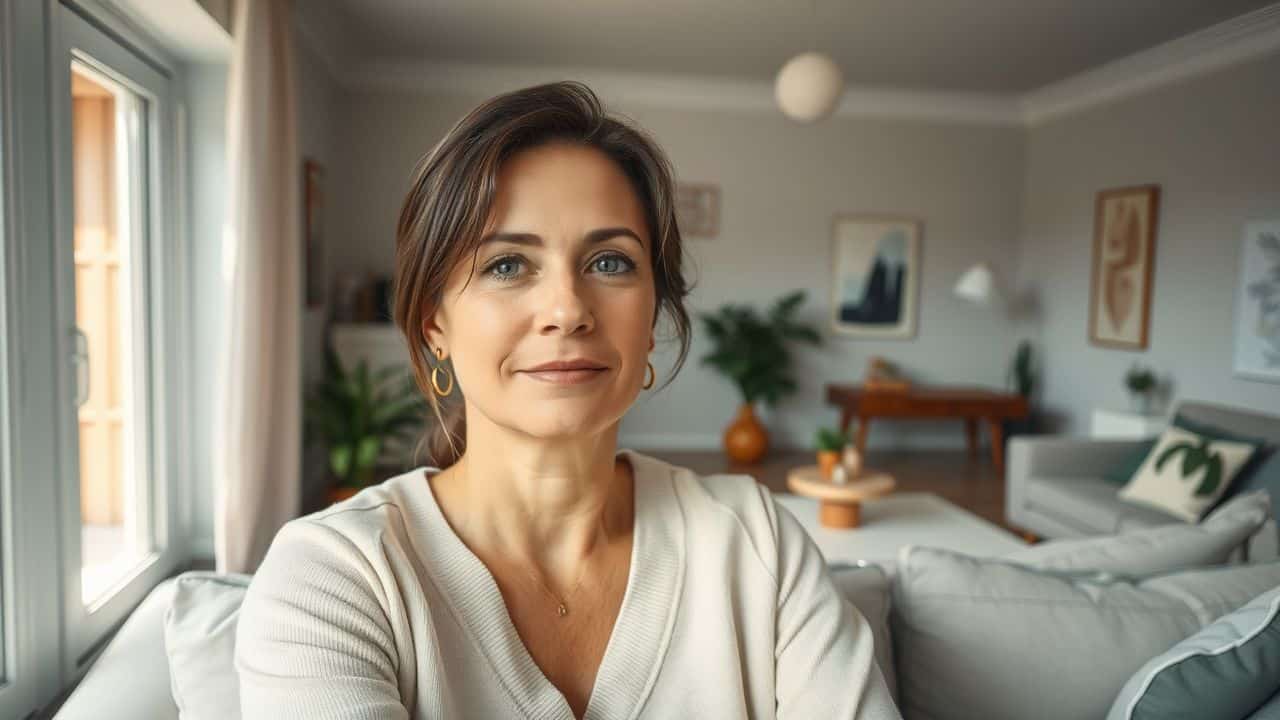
(612, 260)
(499, 263)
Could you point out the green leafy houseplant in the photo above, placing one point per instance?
(752, 351)
(829, 439)
(1021, 370)
(354, 413)
(1139, 380)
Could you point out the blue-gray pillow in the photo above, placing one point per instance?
(1226, 670)
(1124, 470)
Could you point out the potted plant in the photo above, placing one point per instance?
(1021, 378)
(1141, 382)
(752, 352)
(354, 413)
(829, 443)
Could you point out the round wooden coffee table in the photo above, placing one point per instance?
(839, 506)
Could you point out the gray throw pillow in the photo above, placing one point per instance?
(1227, 670)
(1164, 548)
(866, 585)
(991, 638)
(200, 640)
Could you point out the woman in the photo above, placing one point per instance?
(535, 569)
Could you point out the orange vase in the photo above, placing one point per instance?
(745, 440)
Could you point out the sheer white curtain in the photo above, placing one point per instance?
(257, 451)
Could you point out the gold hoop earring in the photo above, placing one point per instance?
(435, 383)
(653, 375)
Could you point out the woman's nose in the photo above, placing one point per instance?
(565, 306)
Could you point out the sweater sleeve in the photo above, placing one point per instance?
(824, 652)
(312, 639)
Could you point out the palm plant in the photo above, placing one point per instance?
(354, 413)
(752, 351)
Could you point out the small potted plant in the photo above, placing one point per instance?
(1141, 382)
(354, 413)
(829, 442)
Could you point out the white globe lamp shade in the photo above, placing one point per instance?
(809, 87)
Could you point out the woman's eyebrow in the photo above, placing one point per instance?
(591, 238)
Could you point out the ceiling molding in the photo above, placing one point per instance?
(676, 91)
(1218, 46)
(1213, 48)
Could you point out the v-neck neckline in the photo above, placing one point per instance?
(641, 632)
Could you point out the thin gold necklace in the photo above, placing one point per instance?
(562, 608)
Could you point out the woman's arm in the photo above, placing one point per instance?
(312, 639)
(825, 654)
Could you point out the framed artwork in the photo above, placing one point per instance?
(1257, 337)
(1124, 240)
(876, 265)
(698, 209)
(313, 231)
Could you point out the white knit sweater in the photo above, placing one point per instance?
(374, 608)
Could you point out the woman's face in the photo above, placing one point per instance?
(563, 273)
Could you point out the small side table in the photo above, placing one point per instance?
(839, 506)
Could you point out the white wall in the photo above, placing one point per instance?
(1211, 144)
(780, 186)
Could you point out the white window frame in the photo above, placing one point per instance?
(47, 645)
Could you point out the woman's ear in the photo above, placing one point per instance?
(433, 334)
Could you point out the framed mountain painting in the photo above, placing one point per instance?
(1257, 336)
(876, 275)
(1124, 241)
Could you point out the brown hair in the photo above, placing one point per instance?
(453, 188)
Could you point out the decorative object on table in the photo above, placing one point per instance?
(839, 475)
(1257, 336)
(851, 459)
(1022, 376)
(1186, 472)
(876, 266)
(1123, 260)
(1141, 383)
(698, 209)
(809, 86)
(313, 233)
(752, 352)
(828, 442)
(884, 375)
(354, 413)
(839, 505)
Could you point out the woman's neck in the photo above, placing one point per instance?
(553, 509)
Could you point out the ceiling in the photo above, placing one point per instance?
(991, 46)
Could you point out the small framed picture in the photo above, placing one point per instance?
(876, 265)
(698, 209)
(1257, 336)
(313, 231)
(1124, 241)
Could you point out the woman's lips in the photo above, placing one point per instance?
(566, 377)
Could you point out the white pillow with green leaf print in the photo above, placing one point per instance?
(1185, 473)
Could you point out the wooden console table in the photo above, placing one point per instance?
(970, 404)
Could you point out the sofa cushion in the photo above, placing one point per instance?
(867, 587)
(1088, 505)
(1227, 670)
(199, 638)
(996, 639)
(1124, 470)
(1164, 548)
(1186, 473)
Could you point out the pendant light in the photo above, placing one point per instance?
(809, 85)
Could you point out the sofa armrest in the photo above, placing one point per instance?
(1063, 456)
(131, 676)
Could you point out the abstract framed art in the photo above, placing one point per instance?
(698, 209)
(1257, 335)
(1124, 239)
(875, 261)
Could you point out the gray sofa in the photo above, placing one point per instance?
(1055, 486)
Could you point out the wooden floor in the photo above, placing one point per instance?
(971, 483)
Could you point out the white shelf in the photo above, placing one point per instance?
(1121, 424)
